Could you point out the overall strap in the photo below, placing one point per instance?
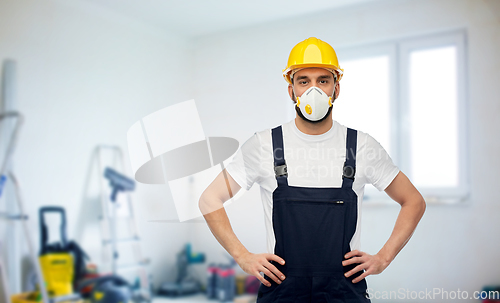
(279, 156)
(350, 163)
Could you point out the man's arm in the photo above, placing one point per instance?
(211, 205)
(413, 206)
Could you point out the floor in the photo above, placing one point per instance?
(203, 298)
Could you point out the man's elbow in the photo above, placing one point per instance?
(208, 204)
(422, 205)
(203, 204)
(416, 203)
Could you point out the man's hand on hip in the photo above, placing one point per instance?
(372, 264)
(253, 264)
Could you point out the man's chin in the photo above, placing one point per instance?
(328, 114)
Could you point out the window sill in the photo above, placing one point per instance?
(429, 200)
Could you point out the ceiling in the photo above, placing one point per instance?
(199, 17)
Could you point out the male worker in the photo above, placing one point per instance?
(312, 172)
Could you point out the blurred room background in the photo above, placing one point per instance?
(418, 73)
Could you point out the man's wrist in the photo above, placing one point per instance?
(239, 253)
(386, 257)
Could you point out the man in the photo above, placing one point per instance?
(312, 171)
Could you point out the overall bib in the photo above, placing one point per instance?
(313, 227)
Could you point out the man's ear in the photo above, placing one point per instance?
(290, 92)
(337, 90)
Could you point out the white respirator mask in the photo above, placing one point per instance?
(314, 103)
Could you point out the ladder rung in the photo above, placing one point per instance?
(4, 215)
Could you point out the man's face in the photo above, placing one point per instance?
(313, 76)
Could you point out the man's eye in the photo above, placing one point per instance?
(303, 82)
(323, 81)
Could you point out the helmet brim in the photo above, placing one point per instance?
(287, 71)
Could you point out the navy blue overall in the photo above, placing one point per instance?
(313, 227)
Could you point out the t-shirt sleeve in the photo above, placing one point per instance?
(380, 170)
(245, 165)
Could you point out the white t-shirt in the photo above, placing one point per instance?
(312, 161)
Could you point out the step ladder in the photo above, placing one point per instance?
(111, 156)
(5, 176)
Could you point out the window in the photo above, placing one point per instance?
(370, 90)
(412, 93)
(432, 100)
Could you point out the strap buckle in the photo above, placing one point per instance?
(280, 170)
(349, 172)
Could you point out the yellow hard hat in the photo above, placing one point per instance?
(312, 52)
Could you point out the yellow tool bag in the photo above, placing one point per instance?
(57, 271)
(61, 262)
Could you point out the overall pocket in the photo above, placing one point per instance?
(356, 292)
(310, 234)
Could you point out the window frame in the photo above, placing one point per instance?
(399, 51)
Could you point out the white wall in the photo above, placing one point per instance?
(454, 247)
(84, 76)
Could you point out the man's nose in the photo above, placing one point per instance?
(315, 89)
